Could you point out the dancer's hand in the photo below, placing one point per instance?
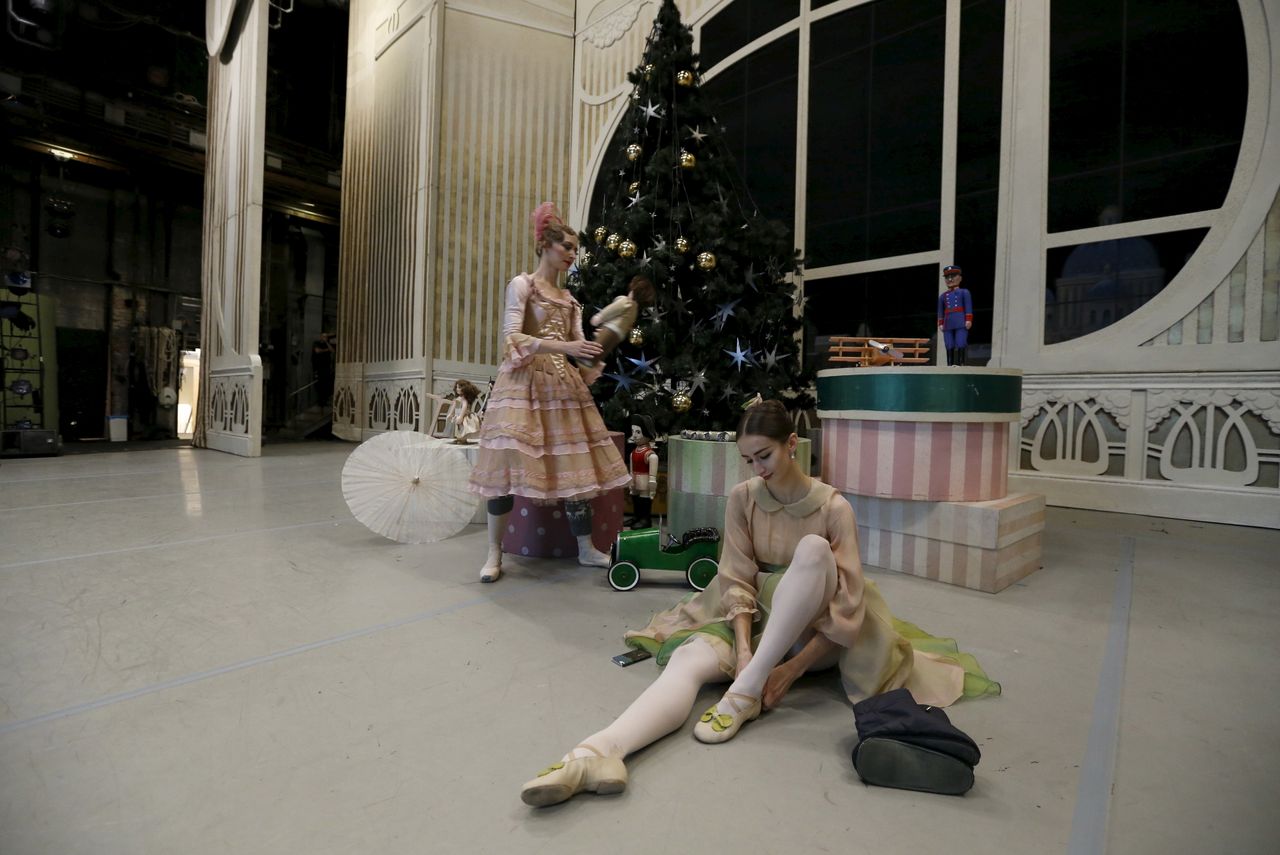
(744, 659)
(581, 349)
(778, 684)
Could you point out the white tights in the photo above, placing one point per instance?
(799, 599)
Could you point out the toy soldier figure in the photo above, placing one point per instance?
(955, 315)
(644, 471)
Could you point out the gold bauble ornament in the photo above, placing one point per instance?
(682, 245)
(684, 78)
(706, 261)
(584, 260)
(633, 186)
(627, 249)
(681, 402)
(687, 160)
(601, 232)
(613, 240)
(636, 337)
(648, 71)
(634, 151)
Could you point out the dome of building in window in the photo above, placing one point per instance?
(1108, 257)
(1104, 289)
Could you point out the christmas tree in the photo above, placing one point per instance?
(725, 323)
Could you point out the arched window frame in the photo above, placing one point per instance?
(1023, 238)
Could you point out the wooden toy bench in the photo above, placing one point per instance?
(862, 351)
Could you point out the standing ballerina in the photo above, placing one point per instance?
(542, 436)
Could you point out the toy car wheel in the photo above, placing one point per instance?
(624, 576)
(701, 572)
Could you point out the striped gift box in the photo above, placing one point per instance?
(986, 546)
(700, 474)
(712, 468)
(992, 525)
(928, 460)
(989, 570)
(694, 510)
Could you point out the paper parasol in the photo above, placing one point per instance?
(407, 486)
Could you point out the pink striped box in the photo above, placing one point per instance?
(925, 461)
(986, 546)
(989, 570)
(991, 525)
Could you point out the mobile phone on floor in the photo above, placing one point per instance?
(631, 657)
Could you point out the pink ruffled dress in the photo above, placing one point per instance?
(542, 436)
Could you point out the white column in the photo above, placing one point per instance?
(1018, 318)
(230, 408)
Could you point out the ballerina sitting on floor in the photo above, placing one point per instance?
(789, 597)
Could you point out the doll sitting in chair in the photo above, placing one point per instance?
(462, 412)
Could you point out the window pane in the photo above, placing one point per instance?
(1147, 101)
(741, 23)
(755, 102)
(875, 131)
(892, 303)
(976, 254)
(1093, 285)
(978, 161)
(981, 86)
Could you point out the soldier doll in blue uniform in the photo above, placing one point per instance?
(955, 315)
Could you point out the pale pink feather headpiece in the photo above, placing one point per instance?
(543, 214)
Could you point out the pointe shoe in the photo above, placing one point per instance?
(561, 781)
(492, 568)
(589, 556)
(594, 558)
(715, 726)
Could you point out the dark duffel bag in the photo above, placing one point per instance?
(912, 747)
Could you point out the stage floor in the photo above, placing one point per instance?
(201, 653)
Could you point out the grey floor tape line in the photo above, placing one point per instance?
(1097, 772)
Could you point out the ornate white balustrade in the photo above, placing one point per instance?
(1190, 445)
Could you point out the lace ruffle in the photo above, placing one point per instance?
(505, 471)
(541, 433)
(508, 443)
(521, 349)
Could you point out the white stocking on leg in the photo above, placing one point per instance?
(802, 594)
(579, 514)
(662, 707)
(492, 568)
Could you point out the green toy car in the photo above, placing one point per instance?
(695, 554)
